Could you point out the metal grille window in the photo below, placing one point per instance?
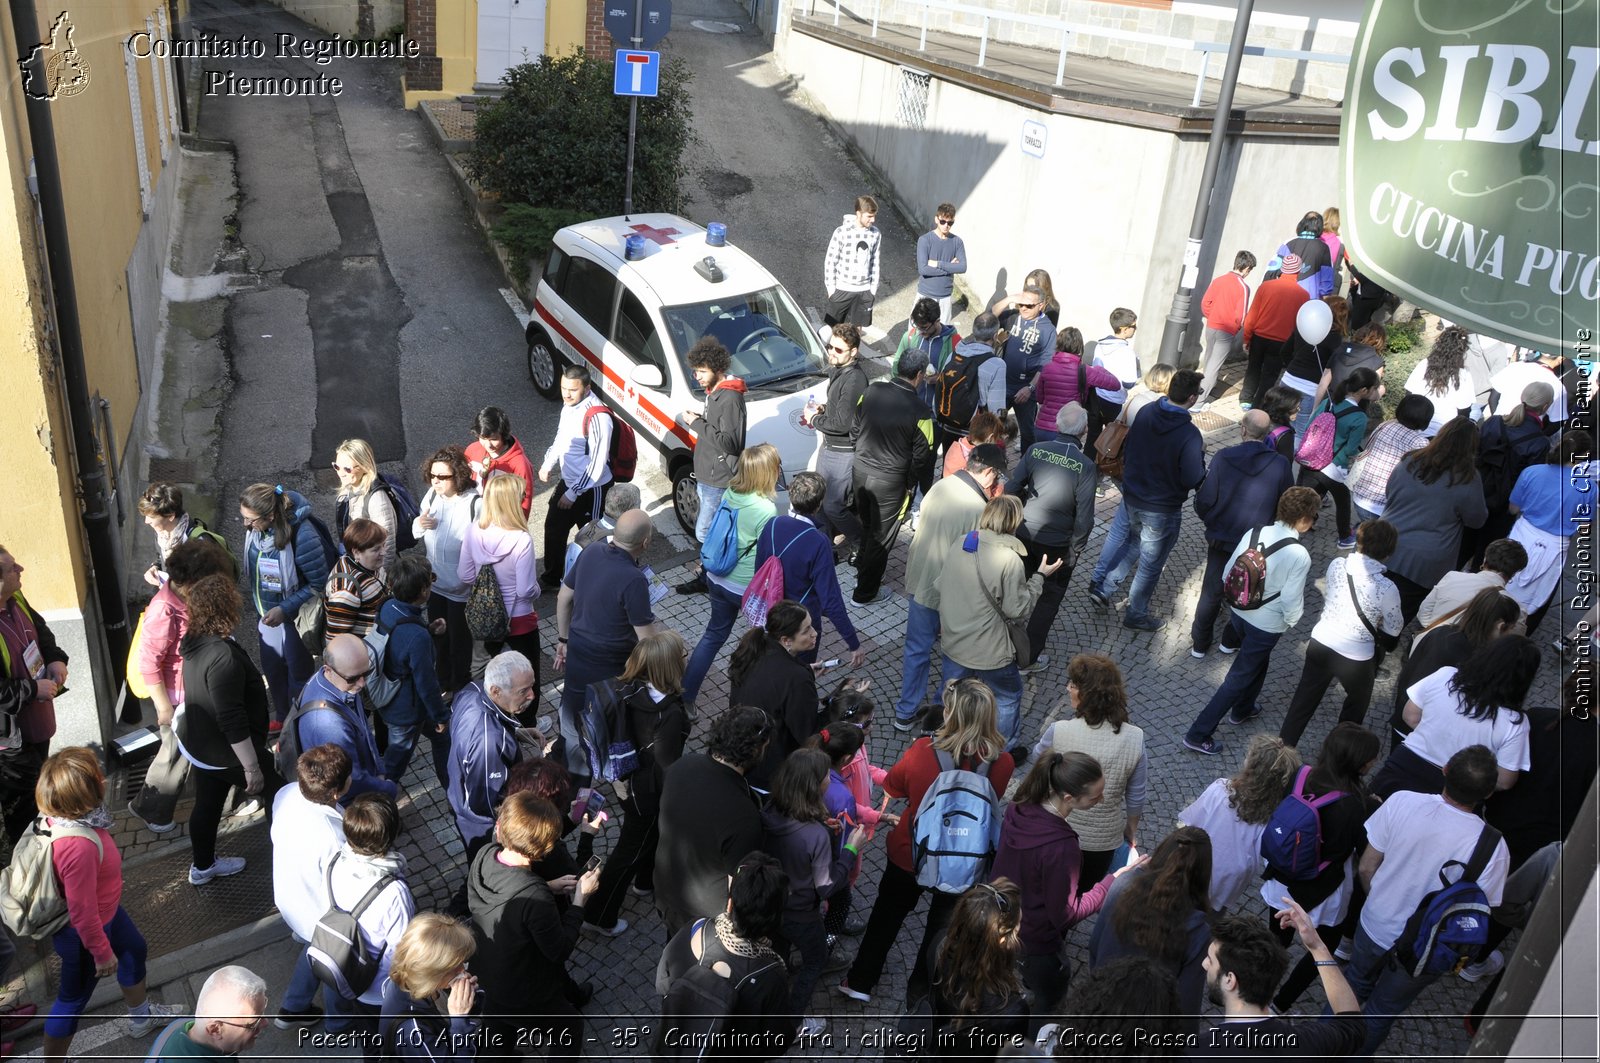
(913, 108)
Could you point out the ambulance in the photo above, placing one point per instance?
(629, 296)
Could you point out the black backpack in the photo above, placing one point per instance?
(1502, 457)
(699, 1001)
(955, 389)
(338, 953)
(287, 757)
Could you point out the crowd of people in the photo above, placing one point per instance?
(405, 619)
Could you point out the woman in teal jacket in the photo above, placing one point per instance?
(1348, 406)
(287, 558)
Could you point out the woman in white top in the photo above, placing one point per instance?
(451, 503)
(1479, 704)
(1235, 812)
(1442, 377)
(1360, 615)
(363, 494)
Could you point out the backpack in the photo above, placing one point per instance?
(198, 530)
(31, 902)
(487, 619)
(720, 553)
(287, 757)
(1502, 458)
(1316, 449)
(955, 389)
(766, 587)
(1450, 924)
(697, 1004)
(381, 688)
(338, 952)
(957, 829)
(1292, 842)
(1246, 581)
(623, 461)
(611, 751)
(1277, 434)
(406, 510)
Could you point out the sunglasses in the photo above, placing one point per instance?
(343, 468)
(441, 476)
(945, 221)
(838, 350)
(1026, 306)
(362, 678)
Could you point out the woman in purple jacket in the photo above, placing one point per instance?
(1058, 381)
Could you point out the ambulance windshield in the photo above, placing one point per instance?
(764, 331)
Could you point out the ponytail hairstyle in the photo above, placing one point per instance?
(840, 741)
(267, 500)
(1363, 377)
(1536, 399)
(784, 621)
(1056, 774)
(1153, 913)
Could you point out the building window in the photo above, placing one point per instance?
(913, 106)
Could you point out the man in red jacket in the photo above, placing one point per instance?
(1224, 306)
(1268, 328)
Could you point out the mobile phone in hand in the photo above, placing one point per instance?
(592, 864)
(833, 662)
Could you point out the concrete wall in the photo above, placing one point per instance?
(1303, 25)
(363, 19)
(1106, 210)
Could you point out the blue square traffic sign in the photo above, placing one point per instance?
(638, 74)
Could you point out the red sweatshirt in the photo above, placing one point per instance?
(511, 460)
(1225, 303)
(92, 887)
(1272, 313)
(910, 778)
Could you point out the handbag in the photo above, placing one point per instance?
(1108, 445)
(1021, 645)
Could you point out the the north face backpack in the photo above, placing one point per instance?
(1450, 924)
(406, 510)
(287, 757)
(381, 688)
(955, 389)
(1292, 842)
(697, 1004)
(720, 553)
(957, 829)
(338, 953)
(1245, 584)
(31, 902)
(623, 460)
(1316, 449)
(486, 614)
(766, 587)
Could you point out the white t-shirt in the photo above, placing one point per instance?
(1510, 381)
(1445, 403)
(1235, 844)
(1444, 731)
(1418, 834)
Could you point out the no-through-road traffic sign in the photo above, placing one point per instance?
(638, 74)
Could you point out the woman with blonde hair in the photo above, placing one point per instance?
(355, 590)
(1101, 729)
(500, 538)
(98, 938)
(1149, 389)
(968, 736)
(1040, 279)
(1234, 812)
(650, 690)
(362, 493)
(750, 497)
(429, 996)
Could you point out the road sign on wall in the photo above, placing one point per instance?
(638, 74)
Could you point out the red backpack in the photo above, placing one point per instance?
(624, 457)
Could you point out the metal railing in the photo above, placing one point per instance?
(1071, 30)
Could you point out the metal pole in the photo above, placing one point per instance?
(637, 40)
(1178, 316)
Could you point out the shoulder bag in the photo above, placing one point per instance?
(1021, 646)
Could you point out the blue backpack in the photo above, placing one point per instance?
(1451, 924)
(1292, 842)
(720, 553)
(406, 510)
(957, 829)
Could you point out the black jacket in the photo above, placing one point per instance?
(524, 937)
(837, 422)
(658, 731)
(709, 821)
(894, 437)
(1241, 490)
(720, 434)
(787, 690)
(760, 1018)
(224, 701)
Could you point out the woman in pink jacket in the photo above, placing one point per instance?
(500, 537)
(99, 938)
(1058, 381)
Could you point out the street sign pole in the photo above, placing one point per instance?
(637, 41)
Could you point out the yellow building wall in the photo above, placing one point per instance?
(456, 43)
(564, 26)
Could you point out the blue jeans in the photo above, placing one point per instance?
(1302, 420)
(922, 628)
(710, 499)
(1156, 534)
(1007, 686)
(285, 663)
(1115, 560)
(302, 993)
(403, 741)
(77, 969)
(724, 608)
(1385, 991)
(1242, 685)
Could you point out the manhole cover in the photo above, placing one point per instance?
(707, 26)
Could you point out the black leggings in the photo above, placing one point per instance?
(1322, 667)
(1324, 485)
(898, 894)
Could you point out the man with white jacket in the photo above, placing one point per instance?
(369, 863)
(307, 829)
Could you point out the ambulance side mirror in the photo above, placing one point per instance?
(647, 376)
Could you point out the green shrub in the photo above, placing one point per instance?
(558, 138)
(1402, 338)
(526, 231)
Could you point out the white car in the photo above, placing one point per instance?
(629, 296)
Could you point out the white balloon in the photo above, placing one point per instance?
(1314, 321)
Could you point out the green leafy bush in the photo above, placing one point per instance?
(1402, 338)
(526, 231)
(558, 138)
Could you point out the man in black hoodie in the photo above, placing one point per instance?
(894, 457)
(719, 436)
(835, 421)
(1240, 492)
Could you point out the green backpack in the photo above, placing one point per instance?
(31, 902)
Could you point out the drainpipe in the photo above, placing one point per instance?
(81, 413)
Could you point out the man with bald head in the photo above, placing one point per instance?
(1240, 492)
(228, 1018)
(330, 709)
(602, 612)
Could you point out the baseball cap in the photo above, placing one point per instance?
(990, 454)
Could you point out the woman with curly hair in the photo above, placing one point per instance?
(1434, 493)
(977, 1003)
(1234, 812)
(1161, 910)
(449, 506)
(1101, 729)
(1443, 379)
(1130, 1008)
(1478, 704)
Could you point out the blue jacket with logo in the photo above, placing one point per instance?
(483, 747)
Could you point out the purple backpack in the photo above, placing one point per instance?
(1292, 842)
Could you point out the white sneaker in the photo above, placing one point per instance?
(607, 931)
(1037, 666)
(160, 1015)
(1490, 966)
(812, 1027)
(221, 868)
(248, 808)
